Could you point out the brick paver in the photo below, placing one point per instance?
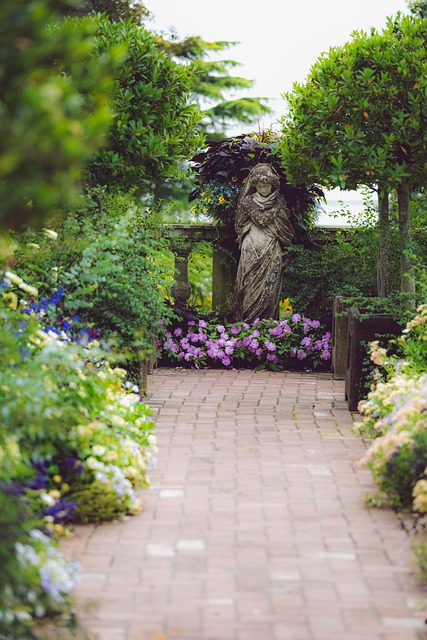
(254, 527)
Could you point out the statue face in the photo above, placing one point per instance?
(263, 188)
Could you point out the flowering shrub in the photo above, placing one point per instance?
(265, 344)
(49, 580)
(395, 414)
(75, 445)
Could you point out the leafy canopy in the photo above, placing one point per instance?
(54, 107)
(154, 124)
(360, 118)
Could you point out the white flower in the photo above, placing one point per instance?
(98, 450)
(50, 233)
(94, 464)
(13, 278)
(28, 288)
(47, 499)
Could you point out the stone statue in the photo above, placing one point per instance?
(263, 230)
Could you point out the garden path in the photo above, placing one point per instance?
(255, 526)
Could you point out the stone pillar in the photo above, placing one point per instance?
(223, 277)
(181, 289)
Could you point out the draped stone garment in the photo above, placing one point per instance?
(263, 230)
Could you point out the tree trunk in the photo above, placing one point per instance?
(384, 251)
(407, 274)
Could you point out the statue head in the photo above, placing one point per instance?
(262, 178)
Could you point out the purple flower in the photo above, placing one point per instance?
(255, 334)
(191, 323)
(306, 342)
(202, 324)
(277, 331)
(315, 324)
(301, 354)
(271, 357)
(325, 355)
(253, 345)
(162, 322)
(296, 317)
(177, 332)
(270, 346)
(235, 330)
(220, 328)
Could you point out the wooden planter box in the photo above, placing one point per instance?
(364, 327)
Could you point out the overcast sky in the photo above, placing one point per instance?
(279, 39)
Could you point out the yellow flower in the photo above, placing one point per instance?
(11, 299)
(221, 199)
(57, 478)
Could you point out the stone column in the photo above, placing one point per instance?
(223, 277)
(181, 289)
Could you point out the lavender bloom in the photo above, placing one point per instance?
(270, 346)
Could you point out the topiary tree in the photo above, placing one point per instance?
(360, 119)
(154, 126)
(51, 120)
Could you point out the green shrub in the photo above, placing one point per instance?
(110, 258)
(154, 126)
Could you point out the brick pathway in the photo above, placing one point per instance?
(255, 526)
